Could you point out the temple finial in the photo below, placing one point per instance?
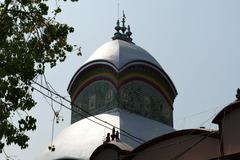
(238, 94)
(123, 23)
(122, 32)
(129, 33)
(124, 14)
(117, 34)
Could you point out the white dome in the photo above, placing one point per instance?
(81, 138)
(120, 53)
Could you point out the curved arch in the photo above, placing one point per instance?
(120, 148)
(117, 74)
(119, 70)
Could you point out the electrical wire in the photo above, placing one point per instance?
(197, 114)
(178, 142)
(193, 145)
(126, 135)
(49, 86)
(86, 112)
(111, 124)
(134, 138)
(171, 144)
(53, 126)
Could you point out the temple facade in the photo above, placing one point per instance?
(122, 108)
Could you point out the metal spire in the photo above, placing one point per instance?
(122, 32)
(124, 14)
(123, 23)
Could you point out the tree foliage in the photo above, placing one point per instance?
(30, 39)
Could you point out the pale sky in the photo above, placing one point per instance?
(197, 42)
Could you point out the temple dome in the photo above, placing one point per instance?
(121, 84)
(120, 53)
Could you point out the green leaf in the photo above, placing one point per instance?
(29, 41)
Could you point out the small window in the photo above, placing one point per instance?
(92, 102)
(108, 97)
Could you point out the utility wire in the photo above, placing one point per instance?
(178, 142)
(49, 86)
(172, 144)
(183, 119)
(189, 148)
(136, 139)
(86, 112)
(126, 135)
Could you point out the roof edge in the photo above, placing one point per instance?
(111, 145)
(226, 110)
(179, 133)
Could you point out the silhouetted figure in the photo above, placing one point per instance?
(113, 134)
(117, 135)
(108, 138)
(238, 94)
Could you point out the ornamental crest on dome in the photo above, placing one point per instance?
(122, 32)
